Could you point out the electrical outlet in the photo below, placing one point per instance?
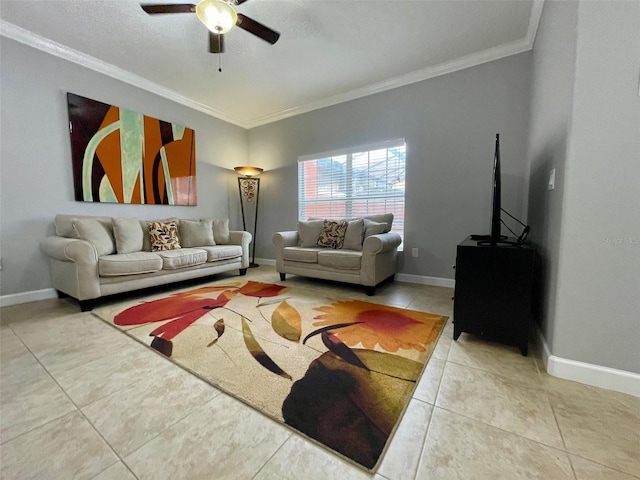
(414, 252)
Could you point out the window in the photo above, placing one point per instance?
(354, 182)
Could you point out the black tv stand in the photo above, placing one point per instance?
(493, 293)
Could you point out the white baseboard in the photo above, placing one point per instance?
(423, 280)
(25, 297)
(266, 261)
(588, 373)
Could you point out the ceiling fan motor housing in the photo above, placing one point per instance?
(219, 16)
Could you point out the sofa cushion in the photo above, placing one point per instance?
(309, 232)
(354, 235)
(95, 232)
(196, 233)
(181, 258)
(373, 228)
(301, 254)
(129, 264)
(164, 236)
(222, 252)
(340, 259)
(128, 234)
(221, 231)
(386, 218)
(64, 225)
(332, 234)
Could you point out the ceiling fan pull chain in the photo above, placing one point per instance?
(219, 55)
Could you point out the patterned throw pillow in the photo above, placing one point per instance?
(332, 234)
(164, 236)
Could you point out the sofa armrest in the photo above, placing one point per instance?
(242, 238)
(73, 265)
(381, 243)
(70, 250)
(285, 239)
(379, 258)
(280, 241)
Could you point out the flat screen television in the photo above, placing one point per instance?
(496, 210)
(496, 198)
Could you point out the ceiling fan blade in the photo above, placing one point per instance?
(239, 2)
(216, 43)
(153, 9)
(258, 29)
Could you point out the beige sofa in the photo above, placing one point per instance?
(368, 256)
(91, 257)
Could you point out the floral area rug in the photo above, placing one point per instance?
(339, 371)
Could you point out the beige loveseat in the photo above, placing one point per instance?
(91, 257)
(368, 255)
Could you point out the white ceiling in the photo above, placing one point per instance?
(329, 51)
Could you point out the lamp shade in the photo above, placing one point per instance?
(217, 15)
(247, 171)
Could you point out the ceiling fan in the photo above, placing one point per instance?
(219, 17)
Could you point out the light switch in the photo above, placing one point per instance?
(552, 179)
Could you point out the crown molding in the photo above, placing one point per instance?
(461, 63)
(31, 39)
(534, 21)
(396, 82)
(46, 45)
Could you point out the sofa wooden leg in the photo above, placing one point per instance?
(283, 277)
(370, 291)
(243, 271)
(86, 305)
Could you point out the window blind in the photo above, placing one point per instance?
(354, 182)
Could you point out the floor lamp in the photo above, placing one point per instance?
(249, 190)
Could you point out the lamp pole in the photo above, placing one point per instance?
(249, 190)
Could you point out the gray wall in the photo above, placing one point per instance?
(553, 64)
(449, 124)
(599, 270)
(593, 239)
(36, 177)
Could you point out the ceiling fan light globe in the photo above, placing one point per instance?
(217, 15)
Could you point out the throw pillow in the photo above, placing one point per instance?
(146, 245)
(221, 231)
(353, 237)
(332, 234)
(98, 234)
(309, 232)
(373, 228)
(128, 234)
(386, 218)
(164, 236)
(196, 233)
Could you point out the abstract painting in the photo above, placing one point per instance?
(122, 156)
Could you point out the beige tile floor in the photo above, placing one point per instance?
(79, 399)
